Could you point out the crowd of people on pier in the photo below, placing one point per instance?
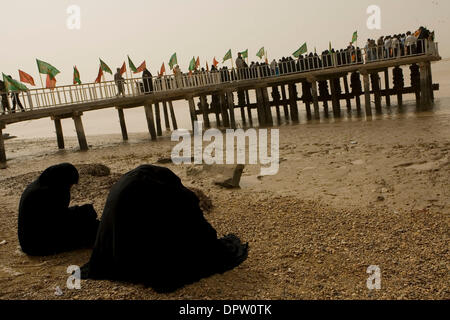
(399, 45)
(385, 47)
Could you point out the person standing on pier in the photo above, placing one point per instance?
(148, 81)
(240, 65)
(120, 81)
(16, 101)
(4, 96)
(410, 44)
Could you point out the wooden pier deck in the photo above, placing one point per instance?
(55, 104)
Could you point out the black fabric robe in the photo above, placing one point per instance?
(153, 232)
(46, 224)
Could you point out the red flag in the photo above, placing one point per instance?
(163, 69)
(215, 62)
(123, 69)
(51, 82)
(197, 63)
(207, 67)
(26, 78)
(99, 77)
(141, 68)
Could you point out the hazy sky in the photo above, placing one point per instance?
(152, 30)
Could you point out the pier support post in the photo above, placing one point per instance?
(204, 106)
(166, 116)
(80, 131)
(150, 122)
(230, 102)
(59, 132)
(260, 107)
(347, 94)
(158, 119)
(123, 125)
(375, 78)
(285, 105)
(334, 99)
(172, 115)
(367, 93)
(2, 148)
(293, 102)
(224, 110)
(315, 98)
(386, 86)
(249, 109)
(192, 111)
(267, 108)
(425, 96)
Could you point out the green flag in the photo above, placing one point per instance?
(131, 64)
(105, 67)
(261, 53)
(13, 85)
(302, 50)
(173, 60)
(192, 64)
(355, 37)
(244, 54)
(227, 56)
(76, 76)
(47, 68)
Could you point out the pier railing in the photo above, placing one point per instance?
(82, 93)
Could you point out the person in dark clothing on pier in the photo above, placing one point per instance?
(153, 232)
(148, 81)
(16, 101)
(47, 225)
(4, 96)
(120, 83)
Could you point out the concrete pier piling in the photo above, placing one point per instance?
(80, 131)
(123, 126)
(59, 132)
(150, 121)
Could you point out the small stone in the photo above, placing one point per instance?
(3, 242)
(58, 292)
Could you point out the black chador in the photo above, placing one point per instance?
(46, 223)
(154, 232)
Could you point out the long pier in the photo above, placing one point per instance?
(321, 79)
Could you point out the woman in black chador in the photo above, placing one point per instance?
(153, 232)
(46, 223)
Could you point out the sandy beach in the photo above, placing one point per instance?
(350, 193)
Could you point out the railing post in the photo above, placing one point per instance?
(30, 101)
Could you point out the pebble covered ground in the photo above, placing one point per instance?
(348, 196)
